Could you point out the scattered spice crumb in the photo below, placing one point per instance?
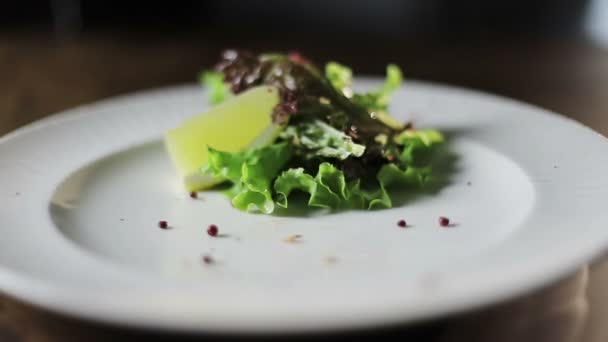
(207, 259)
(212, 230)
(293, 238)
(17, 193)
(469, 183)
(163, 224)
(444, 221)
(193, 195)
(330, 259)
(555, 166)
(122, 219)
(402, 223)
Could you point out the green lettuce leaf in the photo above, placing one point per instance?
(418, 145)
(379, 100)
(225, 165)
(340, 77)
(296, 179)
(218, 90)
(428, 137)
(356, 197)
(391, 176)
(252, 173)
(258, 181)
(318, 139)
(379, 199)
(329, 189)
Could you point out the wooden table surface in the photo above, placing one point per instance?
(41, 75)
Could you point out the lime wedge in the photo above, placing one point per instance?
(243, 121)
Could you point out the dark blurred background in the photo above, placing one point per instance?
(381, 18)
(57, 54)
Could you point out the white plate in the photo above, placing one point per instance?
(82, 193)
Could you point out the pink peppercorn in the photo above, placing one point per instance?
(212, 230)
(207, 259)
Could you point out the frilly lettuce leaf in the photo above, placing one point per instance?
(214, 82)
(318, 139)
(257, 183)
(329, 189)
(251, 172)
(391, 176)
(297, 179)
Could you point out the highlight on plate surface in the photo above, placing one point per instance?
(279, 125)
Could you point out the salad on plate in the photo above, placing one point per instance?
(279, 126)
